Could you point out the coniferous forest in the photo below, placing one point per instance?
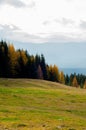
(20, 64)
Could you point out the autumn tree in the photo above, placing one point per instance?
(22, 61)
(84, 86)
(13, 60)
(53, 73)
(75, 83)
(62, 78)
(50, 72)
(56, 73)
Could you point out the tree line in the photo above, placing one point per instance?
(20, 64)
(76, 80)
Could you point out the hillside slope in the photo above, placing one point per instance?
(27, 104)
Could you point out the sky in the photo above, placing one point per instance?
(48, 22)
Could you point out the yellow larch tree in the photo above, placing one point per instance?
(62, 78)
(75, 83)
(13, 62)
(84, 84)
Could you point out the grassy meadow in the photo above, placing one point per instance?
(27, 104)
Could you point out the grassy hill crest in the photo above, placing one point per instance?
(27, 104)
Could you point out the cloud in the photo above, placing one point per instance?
(46, 22)
(60, 37)
(9, 28)
(32, 4)
(63, 37)
(69, 0)
(14, 33)
(64, 21)
(83, 25)
(17, 3)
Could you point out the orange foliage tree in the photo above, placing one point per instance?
(62, 78)
(75, 83)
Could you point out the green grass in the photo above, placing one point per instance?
(27, 104)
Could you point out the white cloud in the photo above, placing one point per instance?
(13, 33)
(83, 25)
(64, 21)
(17, 3)
(46, 22)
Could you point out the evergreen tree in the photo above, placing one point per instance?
(67, 80)
(71, 79)
(37, 60)
(4, 59)
(39, 73)
(33, 69)
(43, 67)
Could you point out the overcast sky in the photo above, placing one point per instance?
(45, 21)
